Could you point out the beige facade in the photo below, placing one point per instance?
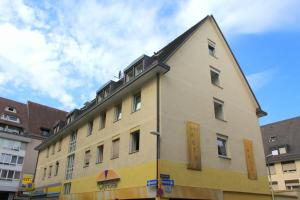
(223, 113)
(285, 176)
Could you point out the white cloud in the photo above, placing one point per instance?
(248, 16)
(260, 79)
(64, 50)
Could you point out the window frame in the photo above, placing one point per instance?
(113, 154)
(211, 48)
(118, 112)
(102, 120)
(134, 102)
(87, 158)
(219, 102)
(100, 153)
(90, 127)
(133, 143)
(217, 72)
(225, 139)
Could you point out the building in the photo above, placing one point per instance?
(194, 95)
(22, 128)
(281, 142)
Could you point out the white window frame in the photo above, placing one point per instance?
(219, 102)
(133, 144)
(217, 72)
(136, 106)
(100, 153)
(118, 112)
(221, 137)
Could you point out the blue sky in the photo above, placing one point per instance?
(59, 53)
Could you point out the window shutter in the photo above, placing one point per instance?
(250, 161)
(193, 145)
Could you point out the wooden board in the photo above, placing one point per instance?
(250, 161)
(193, 145)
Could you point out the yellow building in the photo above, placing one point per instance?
(195, 96)
(281, 145)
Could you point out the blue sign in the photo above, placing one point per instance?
(152, 182)
(167, 182)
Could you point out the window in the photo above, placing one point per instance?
(53, 148)
(45, 132)
(47, 153)
(211, 48)
(67, 188)
(11, 118)
(218, 108)
(292, 184)
(56, 168)
(90, 127)
(59, 145)
(87, 158)
(138, 69)
(215, 76)
(282, 150)
(288, 167)
(72, 143)
(222, 145)
(4, 173)
(14, 160)
(70, 164)
(272, 169)
(272, 139)
(44, 173)
(11, 109)
(10, 174)
(135, 141)
(129, 75)
(275, 152)
(17, 175)
(100, 154)
(102, 120)
(6, 158)
(115, 148)
(118, 112)
(50, 171)
(275, 185)
(137, 103)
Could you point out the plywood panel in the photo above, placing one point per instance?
(193, 145)
(250, 161)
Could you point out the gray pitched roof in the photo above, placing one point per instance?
(287, 133)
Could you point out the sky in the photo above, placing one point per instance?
(59, 53)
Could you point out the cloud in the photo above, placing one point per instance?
(261, 79)
(64, 50)
(248, 16)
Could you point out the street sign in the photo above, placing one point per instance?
(167, 182)
(151, 183)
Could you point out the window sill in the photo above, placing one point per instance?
(97, 163)
(117, 120)
(134, 111)
(218, 86)
(85, 166)
(113, 158)
(132, 152)
(214, 56)
(221, 119)
(224, 157)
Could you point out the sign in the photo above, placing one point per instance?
(248, 146)
(107, 180)
(164, 176)
(27, 179)
(193, 145)
(167, 182)
(151, 183)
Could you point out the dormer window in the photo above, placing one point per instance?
(45, 132)
(129, 75)
(103, 94)
(138, 69)
(11, 109)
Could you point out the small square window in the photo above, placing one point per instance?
(135, 141)
(118, 112)
(282, 150)
(11, 109)
(10, 174)
(100, 154)
(137, 102)
(20, 160)
(87, 157)
(215, 76)
(275, 152)
(222, 145)
(219, 109)
(102, 120)
(17, 175)
(115, 148)
(90, 127)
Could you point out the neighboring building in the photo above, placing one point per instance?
(22, 128)
(195, 95)
(282, 140)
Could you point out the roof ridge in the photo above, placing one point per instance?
(281, 121)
